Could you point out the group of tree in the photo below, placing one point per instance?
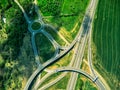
(15, 29)
(51, 7)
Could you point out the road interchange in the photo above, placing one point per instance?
(81, 36)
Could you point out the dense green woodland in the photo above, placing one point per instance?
(106, 36)
(11, 39)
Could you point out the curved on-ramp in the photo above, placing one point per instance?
(93, 79)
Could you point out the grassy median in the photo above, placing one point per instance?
(44, 47)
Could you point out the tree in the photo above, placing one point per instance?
(1, 61)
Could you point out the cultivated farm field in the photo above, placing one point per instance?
(106, 37)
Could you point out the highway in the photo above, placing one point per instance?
(81, 47)
(80, 40)
(73, 79)
(90, 53)
(77, 62)
(100, 85)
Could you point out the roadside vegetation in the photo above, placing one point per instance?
(55, 35)
(89, 86)
(106, 39)
(49, 79)
(84, 84)
(65, 61)
(62, 84)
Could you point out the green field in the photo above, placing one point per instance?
(106, 37)
(64, 14)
